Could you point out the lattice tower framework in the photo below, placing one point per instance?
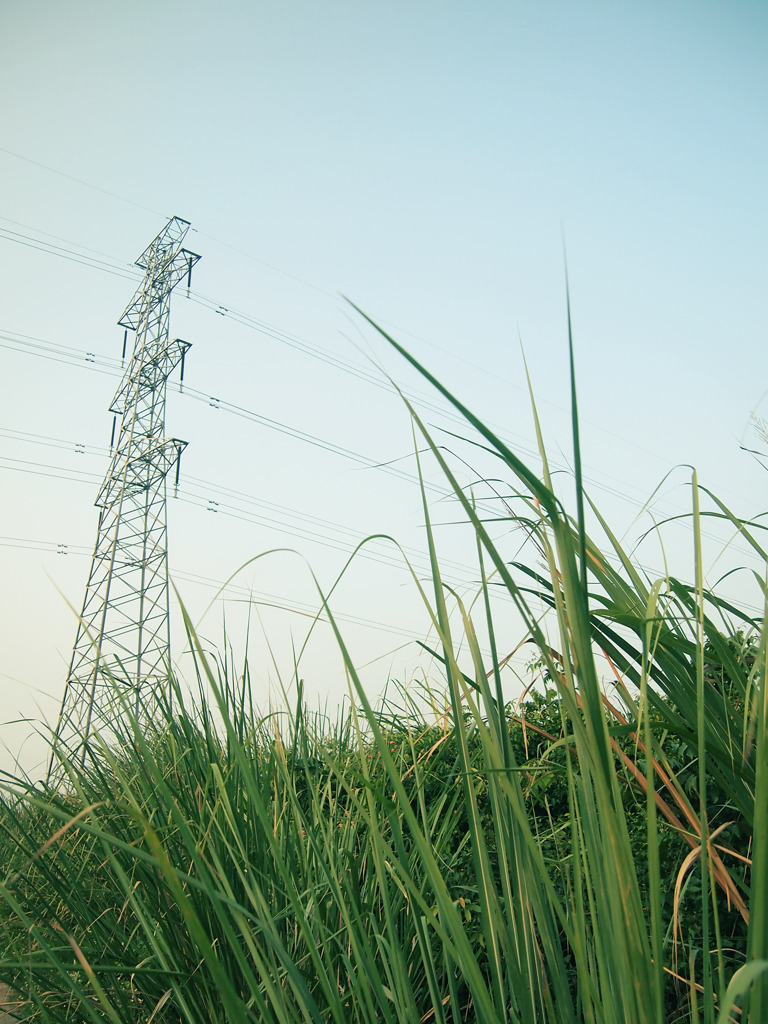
(122, 646)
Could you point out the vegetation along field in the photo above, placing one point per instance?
(596, 851)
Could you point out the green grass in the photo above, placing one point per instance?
(441, 856)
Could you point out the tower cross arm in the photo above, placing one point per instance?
(139, 469)
(155, 367)
(164, 243)
(159, 282)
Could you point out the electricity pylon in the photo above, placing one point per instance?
(123, 637)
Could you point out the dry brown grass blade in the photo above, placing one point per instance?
(685, 867)
(430, 1013)
(693, 837)
(699, 988)
(722, 875)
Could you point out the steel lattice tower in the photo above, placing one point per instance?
(123, 637)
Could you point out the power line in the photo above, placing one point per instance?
(305, 608)
(313, 287)
(218, 489)
(462, 359)
(19, 342)
(56, 547)
(47, 350)
(54, 472)
(79, 181)
(53, 442)
(226, 589)
(27, 344)
(315, 351)
(244, 319)
(67, 254)
(101, 364)
(205, 495)
(131, 267)
(459, 574)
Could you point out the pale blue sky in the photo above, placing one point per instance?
(424, 159)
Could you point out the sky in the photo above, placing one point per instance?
(433, 163)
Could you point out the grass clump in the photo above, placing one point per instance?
(591, 854)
